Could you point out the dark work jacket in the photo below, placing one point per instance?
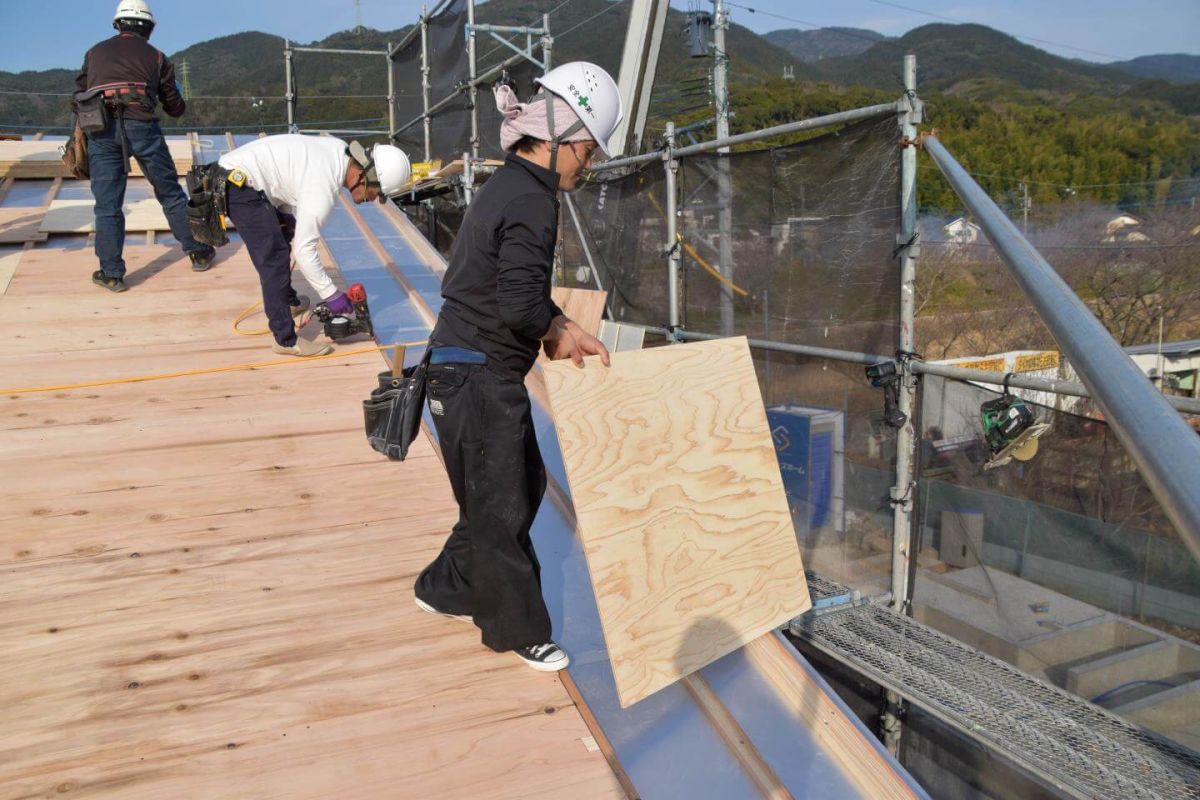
(129, 58)
(497, 287)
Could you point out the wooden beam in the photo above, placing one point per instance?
(229, 140)
(758, 770)
(838, 737)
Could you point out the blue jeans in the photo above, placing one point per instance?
(147, 145)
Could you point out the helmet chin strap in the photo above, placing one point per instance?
(556, 140)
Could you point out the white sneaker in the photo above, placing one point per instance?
(428, 609)
(303, 348)
(547, 657)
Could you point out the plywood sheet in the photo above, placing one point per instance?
(194, 605)
(8, 267)
(21, 225)
(680, 506)
(585, 306)
(40, 159)
(79, 216)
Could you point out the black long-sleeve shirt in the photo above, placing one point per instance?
(129, 58)
(497, 286)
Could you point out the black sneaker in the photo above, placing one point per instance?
(547, 657)
(202, 259)
(112, 284)
(428, 609)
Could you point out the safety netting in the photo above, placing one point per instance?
(449, 74)
(794, 244)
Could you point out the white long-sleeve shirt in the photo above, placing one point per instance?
(301, 176)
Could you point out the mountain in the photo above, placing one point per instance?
(1173, 68)
(814, 45)
(954, 58)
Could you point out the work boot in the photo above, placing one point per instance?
(304, 348)
(428, 609)
(112, 284)
(299, 305)
(547, 657)
(202, 260)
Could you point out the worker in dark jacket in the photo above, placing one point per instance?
(496, 316)
(138, 77)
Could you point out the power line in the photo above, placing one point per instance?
(602, 11)
(1014, 35)
(813, 25)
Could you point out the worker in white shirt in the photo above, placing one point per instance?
(280, 190)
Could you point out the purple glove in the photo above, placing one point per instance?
(340, 304)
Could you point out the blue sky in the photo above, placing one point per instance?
(1101, 30)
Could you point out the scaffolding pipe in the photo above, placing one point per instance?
(425, 88)
(408, 37)
(547, 44)
(1187, 405)
(482, 79)
(673, 241)
(468, 179)
(472, 90)
(289, 96)
(902, 492)
(342, 52)
(391, 92)
(724, 175)
(1165, 450)
(814, 123)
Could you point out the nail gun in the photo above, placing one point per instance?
(338, 326)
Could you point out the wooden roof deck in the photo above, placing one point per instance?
(205, 582)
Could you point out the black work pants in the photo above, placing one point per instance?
(488, 568)
(262, 228)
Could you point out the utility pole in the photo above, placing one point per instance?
(358, 16)
(724, 178)
(1025, 208)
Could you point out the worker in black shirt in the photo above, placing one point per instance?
(496, 316)
(137, 76)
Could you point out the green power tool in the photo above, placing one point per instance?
(1010, 429)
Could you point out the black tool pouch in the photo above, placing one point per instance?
(206, 204)
(392, 414)
(91, 112)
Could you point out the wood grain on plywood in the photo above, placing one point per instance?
(79, 216)
(18, 225)
(680, 506)
(203, 595)
(8, 266)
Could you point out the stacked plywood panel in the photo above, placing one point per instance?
(41, 159)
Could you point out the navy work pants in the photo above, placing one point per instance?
(262, 228)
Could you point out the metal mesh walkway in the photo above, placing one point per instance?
(1061, 738)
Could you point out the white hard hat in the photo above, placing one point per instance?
(134, 9)
(592, 95)
(392, 167)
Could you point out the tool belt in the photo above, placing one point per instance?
(392, 414)
(96, 107)
(208, 186)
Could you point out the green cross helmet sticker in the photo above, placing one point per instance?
(583, 101)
